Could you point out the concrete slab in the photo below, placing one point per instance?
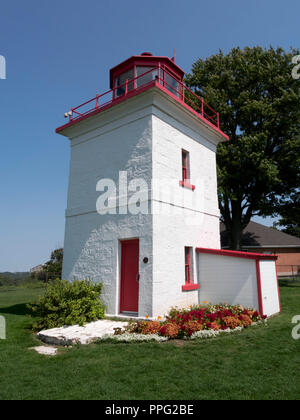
(67, 336)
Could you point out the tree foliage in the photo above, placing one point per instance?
(258, 101)
(54, 265)
(52, 269)
(290, 215)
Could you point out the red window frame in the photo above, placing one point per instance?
(185, 165)
(188, 266)
(185, 182)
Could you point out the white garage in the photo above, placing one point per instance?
(239, 278)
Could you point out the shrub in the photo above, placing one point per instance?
(170, 329)
(232, 322)
(133, 327)
(150, 327)
(68, 303)
(190, 327)
(215, 326)
(246, 320)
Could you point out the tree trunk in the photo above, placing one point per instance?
(236, 229)
(235, 236)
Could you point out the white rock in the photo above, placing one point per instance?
(46, 351)
(66, 336)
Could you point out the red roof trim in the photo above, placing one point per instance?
(103, 108)
(190, 109)
(134, 93)
(237, 254)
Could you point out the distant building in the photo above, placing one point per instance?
(37, 269)
(267, 240)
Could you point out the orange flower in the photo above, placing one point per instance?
(151, 327)
(147, 316)
(159, 317)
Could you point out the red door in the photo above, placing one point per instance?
(129, 301)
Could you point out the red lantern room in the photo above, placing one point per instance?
(137, 74)
(141, 70)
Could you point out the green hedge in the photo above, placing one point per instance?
(68, 303)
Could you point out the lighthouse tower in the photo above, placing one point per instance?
(142, 188)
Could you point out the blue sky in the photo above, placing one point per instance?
(59, 53)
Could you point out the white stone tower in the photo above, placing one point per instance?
(142, 188)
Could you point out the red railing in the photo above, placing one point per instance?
(156, 75)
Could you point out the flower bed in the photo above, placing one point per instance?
(193, 323)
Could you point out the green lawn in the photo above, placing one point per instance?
(259, 363)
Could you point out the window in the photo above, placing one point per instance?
(120, 82)
(185, 165)
(171, 84)
(185, 182)
(188, 269)
(147, 78)
(188, 276)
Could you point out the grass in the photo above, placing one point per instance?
(259, 363)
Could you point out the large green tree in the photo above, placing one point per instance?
(259, 105)
(290, 215)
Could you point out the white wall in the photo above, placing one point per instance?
(118, 140)
(227, 279)
(182, 217)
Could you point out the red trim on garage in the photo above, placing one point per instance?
(247, 255)
(279, 300)
(237, 254)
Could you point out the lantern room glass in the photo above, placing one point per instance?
(144, 79)
(120, 82)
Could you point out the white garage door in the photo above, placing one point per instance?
(269, 288)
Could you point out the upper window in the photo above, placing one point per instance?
(171, 84)
(144, 79)
(185, 165)
(120, 82)
(186, 176)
